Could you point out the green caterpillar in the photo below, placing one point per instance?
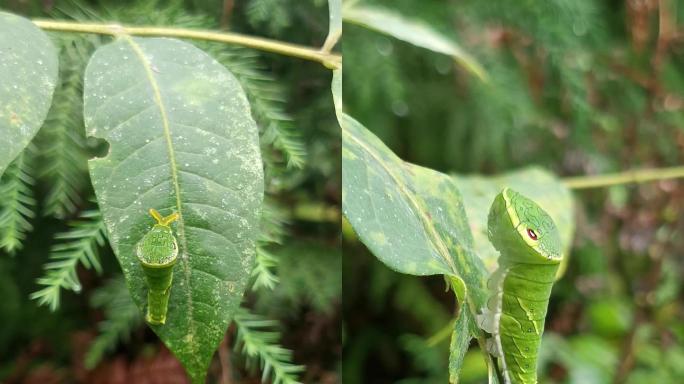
(158, 253)
(530, 248)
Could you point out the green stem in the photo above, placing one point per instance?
(317, 212)
(329, 60)
(628, 177)
(442, 334)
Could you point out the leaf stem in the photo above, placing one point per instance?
(441, 335)
(627, 177)
(329, 60)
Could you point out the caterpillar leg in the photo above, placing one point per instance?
(154, 321)
(486, 320)
(493, 348)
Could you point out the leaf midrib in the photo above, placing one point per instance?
(176, 185)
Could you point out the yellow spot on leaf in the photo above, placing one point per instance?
(14, 118)
(378, 238)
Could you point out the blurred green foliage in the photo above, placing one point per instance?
(294, 302)
(578, 87)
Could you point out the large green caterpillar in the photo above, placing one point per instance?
(530, 253)
(158, 253)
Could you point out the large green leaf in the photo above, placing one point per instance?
(181, 139)
(460, 339)
(413, 220)
(411, 31)
(28, 74)
(539, 185)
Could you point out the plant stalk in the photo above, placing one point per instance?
(329, 60)
(628, 177)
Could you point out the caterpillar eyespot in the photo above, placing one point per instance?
(531, 233)
(157, 252)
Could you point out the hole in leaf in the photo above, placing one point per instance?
(97, 147)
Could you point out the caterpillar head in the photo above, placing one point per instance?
(158, 248)
(523, 229)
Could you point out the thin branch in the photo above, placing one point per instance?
(667, 25)
(441, 335)
(329, 60)
(316, 212)
(228, 6)
(628, 177)
(224, 358)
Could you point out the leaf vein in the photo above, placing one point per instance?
(130, 155)
(217, 277)
(190, 173)
(231, 241)
(141, 195)
(129, 119)
(113, 97)
(214, 207)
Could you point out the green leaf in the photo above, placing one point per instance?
(411, 218)
(181, 140)
(335, 27)
(460, 339)
(28, 74)
(537, 184)
(411, 31)
(337, 91)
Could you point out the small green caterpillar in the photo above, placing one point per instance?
(158, 253)
(530, 248)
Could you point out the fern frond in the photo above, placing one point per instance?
(273, 15)
(273, 222)
(17, 204)
(79, 246)
(121, 318)
(267, 100)
(274, 219)
(257, 340)
(61, 141)
(263, 270)
(311, 278)
(282, 135)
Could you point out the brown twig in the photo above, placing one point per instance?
(666, 31)
(224, 358)
(228, 6)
